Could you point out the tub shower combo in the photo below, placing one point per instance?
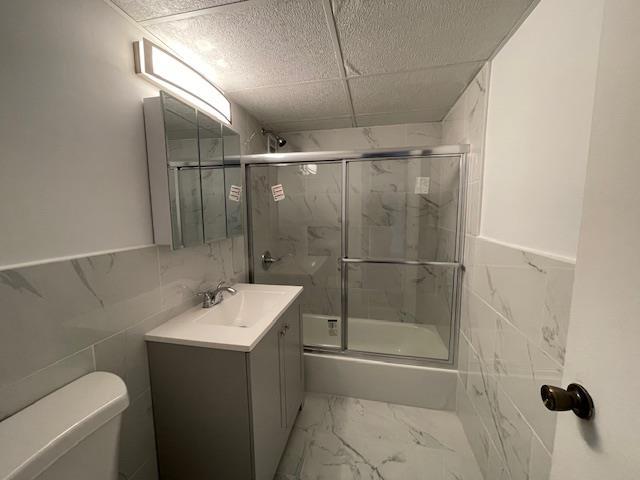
(376, 239)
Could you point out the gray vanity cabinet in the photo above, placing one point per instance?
(223, 414)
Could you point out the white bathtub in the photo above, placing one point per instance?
(380, 336)
(420, 386)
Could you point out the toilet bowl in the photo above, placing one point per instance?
(71, 434)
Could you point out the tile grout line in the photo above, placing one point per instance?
(337, 50)
(515, 327)
(46, 367)
(506, 394)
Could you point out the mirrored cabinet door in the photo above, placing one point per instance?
(233, 182)
(194, 174)
(212, 178)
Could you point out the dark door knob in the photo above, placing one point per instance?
(575, 398)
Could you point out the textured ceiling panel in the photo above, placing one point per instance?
(146, 9)
(295, 102)
(315, 124)
(433, 90)
(395, 35)
(257, 44)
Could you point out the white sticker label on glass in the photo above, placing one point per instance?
(278, 192)
(234, 193)
(422, 185)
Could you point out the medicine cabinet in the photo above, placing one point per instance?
(194, 174)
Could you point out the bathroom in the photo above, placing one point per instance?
(411, 225)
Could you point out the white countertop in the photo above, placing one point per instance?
(238, 323)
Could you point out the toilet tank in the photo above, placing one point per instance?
(70, 434)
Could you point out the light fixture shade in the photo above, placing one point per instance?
(170, 73)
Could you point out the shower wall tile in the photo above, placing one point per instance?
(65, 319)
(324, 241)
(365, 138)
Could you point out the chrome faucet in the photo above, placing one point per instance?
(211, 298)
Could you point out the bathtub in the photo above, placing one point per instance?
(380, 336)
(420, 386)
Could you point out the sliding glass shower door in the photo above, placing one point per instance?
(402, 218)
(295, 214)
(376, 244)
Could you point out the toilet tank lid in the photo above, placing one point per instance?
(37, 436)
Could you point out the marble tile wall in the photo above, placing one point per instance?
(515, 311)
(364, 138)
(514, 321)
(65, 319)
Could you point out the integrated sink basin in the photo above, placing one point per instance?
(237, 323)
(245, 308)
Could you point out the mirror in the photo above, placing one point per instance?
(196, 160)
(212, 178)
(233, 182)
(183, 169)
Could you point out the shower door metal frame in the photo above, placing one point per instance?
(346, 157)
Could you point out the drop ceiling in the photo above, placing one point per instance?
(311, 64)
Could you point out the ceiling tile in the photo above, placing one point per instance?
(316, 124)
(295, 102)
(256, 44)
(433, 90)
(141, 10)
(390, 36)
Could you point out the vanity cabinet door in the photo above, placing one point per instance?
(266, 381)
(293, 358)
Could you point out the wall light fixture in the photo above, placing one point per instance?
(168, 72)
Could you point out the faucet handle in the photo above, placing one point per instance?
(207, 298)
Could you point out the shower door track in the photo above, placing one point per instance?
(344, 158)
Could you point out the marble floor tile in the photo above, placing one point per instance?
(342, 438)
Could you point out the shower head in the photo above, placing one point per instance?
(281, 140)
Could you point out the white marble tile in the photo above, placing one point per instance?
(555, 317)
(54, 310)
(515, 437)
(186, 272)
(419, 134)
(540, 462)
(477, 435)
(474, 206)
(365, 138)
(533, 292)
(347, 438)
(137, 438)
(125, 353)
(16, 396)
(522, 368)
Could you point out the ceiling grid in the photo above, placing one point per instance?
(397, 62)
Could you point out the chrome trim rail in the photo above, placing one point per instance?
(313, 157)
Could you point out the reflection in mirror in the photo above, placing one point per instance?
(212, 178)
(183, 172)
(233, 182)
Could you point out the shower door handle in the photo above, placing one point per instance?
(268, 260)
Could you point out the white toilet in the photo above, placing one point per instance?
(71, 434)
